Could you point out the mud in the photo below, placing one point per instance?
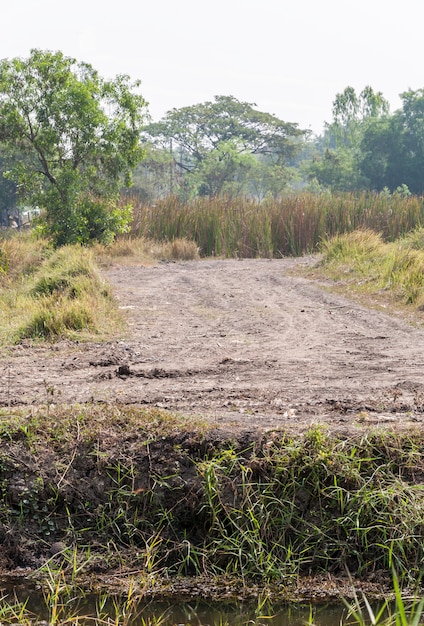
(246, 344)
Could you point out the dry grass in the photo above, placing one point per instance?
(389, 274)
(292, 226)
(53, 294)
(141, 251)
(20, 255)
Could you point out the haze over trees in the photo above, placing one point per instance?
(228, 147)
(71, 143)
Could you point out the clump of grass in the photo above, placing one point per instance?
(362, 260)
(139, 250)
(65, 319)
(69, 270)
(54, 294)
(175, 250)
(360, 246)
(414, 239)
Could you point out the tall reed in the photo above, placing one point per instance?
(292, 226)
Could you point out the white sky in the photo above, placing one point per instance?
(290, 57)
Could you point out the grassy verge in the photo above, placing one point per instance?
(386, 274)
(153, 500)
(50, 294)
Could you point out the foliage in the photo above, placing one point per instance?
(393, 148)
(213, 142)
(336, 170)
(367, 148)
(77, 137)
(351, 112)
(336, 162)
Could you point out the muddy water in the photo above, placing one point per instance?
(175, 613)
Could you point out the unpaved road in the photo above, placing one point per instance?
(242, 343)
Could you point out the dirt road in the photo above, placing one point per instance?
(240, 342)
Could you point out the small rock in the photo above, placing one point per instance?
(57, 547)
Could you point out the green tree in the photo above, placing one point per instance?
(380, 142)
(79, 136)
(351, 112)
(409, 122)
(337, 162)
(336, 170)
(392, 148)
(224, 170)
(268, 178)
(214, 141)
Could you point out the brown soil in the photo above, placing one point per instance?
(245, 343)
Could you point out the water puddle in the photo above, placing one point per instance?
(164, 613)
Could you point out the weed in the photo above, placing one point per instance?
(172, 500)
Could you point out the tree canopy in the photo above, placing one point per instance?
(336, 163)
(215, 141)
(78, 139)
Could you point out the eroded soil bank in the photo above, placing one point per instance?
(105, 496)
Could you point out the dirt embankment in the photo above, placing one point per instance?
(240, 342)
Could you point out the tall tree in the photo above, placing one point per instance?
(79, 136)
(350, 113)
(215, 138)
(393, 147)
(336, 164)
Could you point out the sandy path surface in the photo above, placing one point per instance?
(238, 342)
